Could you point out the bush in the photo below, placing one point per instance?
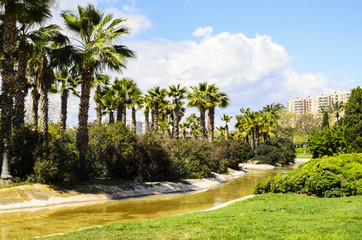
(25, 143)
(325, 177)
(56, 161)
(276, 151)
(111, 151)
(153, 162)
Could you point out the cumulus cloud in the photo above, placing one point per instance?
(253, 71)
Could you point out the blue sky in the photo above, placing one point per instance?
(259, 52)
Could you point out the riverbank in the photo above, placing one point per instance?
(38, 195)
(268, 216)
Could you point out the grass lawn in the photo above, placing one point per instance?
(268, 216)
(302, 155)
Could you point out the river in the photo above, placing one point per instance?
(58, 219)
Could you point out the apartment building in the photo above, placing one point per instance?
(314, 104)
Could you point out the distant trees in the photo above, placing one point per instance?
(353, 121)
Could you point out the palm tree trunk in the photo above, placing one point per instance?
(176, 121)
(124, 114)
(82, 134)
(265, 136)
(152, 118)
(211, 124)
(98, 106)
(8, 83)
(63, 109)
(35, 95)
(155, 117)
(119, 111)
(202, 123)
(21, 83)
(134, 119)
(44, 103)
(146, 121)
(257, 135)
(227, 131)
(111, 117)
(184, 133)
(252, 138)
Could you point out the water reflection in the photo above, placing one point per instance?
(65, 218)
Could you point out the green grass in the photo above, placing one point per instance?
(302, 155)
(268, 216)
(16, 184)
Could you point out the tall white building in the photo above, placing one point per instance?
(314, 104)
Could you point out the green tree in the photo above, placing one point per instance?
(157, 95)
(109, 102)
(353, 121)
(197, 98)
(66, 83)
(177, 93)
(96, 34)
(337, 109)
(226, 119)
(325, 117)
(100, 81)
(215, 98)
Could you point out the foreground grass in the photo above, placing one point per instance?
(268, 216)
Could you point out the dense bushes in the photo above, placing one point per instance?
(326, 177)
(327, 142)
(276, 151)
(116, 152)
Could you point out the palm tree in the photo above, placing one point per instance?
(194, 124)
(100, 80)
(184, 126)
(337, 110)
(134, 100)
(325, 111)
(249, 121)
(109, 101)
(96, 36)
(214, 99)
(28, 16)
(43, 40)
(177, 93)
(66, 83)
(123, 88)
(197, 98)
(147, 105)
(8, 82)
(226, 119)
(156, 95)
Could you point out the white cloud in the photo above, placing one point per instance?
(202, 32)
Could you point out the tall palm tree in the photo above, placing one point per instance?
(10, 34)
(43, 40)
(325, 111)
(226, 119)
(177, 93)
(249, 120)
(147, 105)
(184, 126)
(337, 110)
(29, 16)
(214, 99)
(134, 102)
(194, 124)
(156, 95)
(197, 98)
(108, 101)
(96, 34)
(123, 88)
(66, 83)
(100, 81)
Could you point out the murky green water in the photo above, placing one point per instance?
(51, 220)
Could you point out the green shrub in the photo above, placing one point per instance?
(153, 162)
(25, 143)
(111, 151)
(326, 177)
(56, 161)
(276, 151)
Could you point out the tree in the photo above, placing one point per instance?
(353, 121)
(156, 95)
(134, 100)
(214, 99)
(108, 101)
(226, 119)
(184, 126)
(96, 34)
(66, 83)
(325, 117)
(197, 98)
(337, 109)
(306, 124)
(147, 105)
(123, 89)
(100, 80)
(177, 93)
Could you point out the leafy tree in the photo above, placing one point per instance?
(177, 93)
(306, 124)
(96, 34)
(353, 121)
(325, 117)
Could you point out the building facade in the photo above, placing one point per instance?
(314, 104)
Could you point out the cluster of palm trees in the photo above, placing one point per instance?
(33, 51)
(253, 126)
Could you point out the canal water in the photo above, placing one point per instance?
(58, 219)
